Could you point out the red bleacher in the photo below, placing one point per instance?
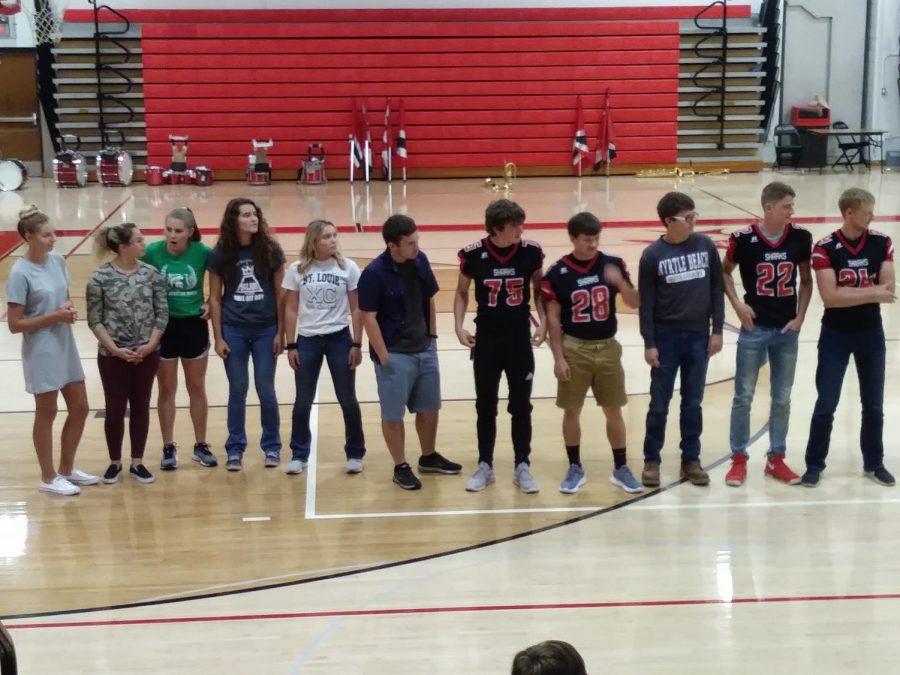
(479, 88)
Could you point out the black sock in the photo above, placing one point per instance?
(574, 453)
(619, 457)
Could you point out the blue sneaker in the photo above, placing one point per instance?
(573, 481)
(623, 478)
(810, 479)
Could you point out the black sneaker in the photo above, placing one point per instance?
(113, 474)
(436, 463)
(881, 476)
(169, 461)
(140, 474)
(405, 478)
(204, 456)
(810, 479)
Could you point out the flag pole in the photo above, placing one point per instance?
(366, 160)
(352, 154)
(580, 160)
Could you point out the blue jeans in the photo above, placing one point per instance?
(685, 350)
(335, 347)
(835, 348)
(244, 343)
(753, 349)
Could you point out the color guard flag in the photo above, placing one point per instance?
(400, 150)
(606, 146)
(580, 150)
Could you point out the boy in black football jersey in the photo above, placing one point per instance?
(580, 294)
(769, 256)
(504, 268)
(854, 272)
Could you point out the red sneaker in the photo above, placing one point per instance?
(776, 468)
(737, 474)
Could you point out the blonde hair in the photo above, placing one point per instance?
(854, 198)
(311, 242)
(110, 237)
(186, 216)
(31, 219)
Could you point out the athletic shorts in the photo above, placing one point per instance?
(411, 381)
(185, 338)
(594, 365)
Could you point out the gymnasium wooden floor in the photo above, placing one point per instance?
(210, 572)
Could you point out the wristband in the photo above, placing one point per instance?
(291, 345)
(358, 345)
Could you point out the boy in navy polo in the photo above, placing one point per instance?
(396, 298)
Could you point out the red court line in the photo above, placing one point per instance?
(84, 238)
(452, 610)
(462, 227)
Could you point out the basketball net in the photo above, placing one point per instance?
(47, 22)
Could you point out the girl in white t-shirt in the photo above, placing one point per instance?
(320, 289)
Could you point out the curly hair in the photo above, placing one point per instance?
(265, 248)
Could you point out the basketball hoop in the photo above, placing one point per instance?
(46, 22)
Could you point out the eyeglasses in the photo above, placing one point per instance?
(689, 218)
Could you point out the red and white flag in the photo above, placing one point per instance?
(606, 138)
(400, 149)
(387, 138)
(580, 150)
(357, 135)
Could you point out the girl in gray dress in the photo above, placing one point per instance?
(37, 293)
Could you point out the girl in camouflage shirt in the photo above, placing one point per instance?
(128, 312)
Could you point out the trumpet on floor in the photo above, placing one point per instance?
(509, 177)
(678, 172)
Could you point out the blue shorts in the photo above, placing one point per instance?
(409, 380)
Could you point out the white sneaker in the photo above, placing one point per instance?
(295, 466)
(483, 476)
(60, 486)
(523, 479)
(354, 466)
(81, 478)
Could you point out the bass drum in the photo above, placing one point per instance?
(13, 175)
(114, 167)
(70, 169)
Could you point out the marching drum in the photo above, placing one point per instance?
(114, 167)
(203, 176)
(13, 175)
(154, 175)
(70, 169)
(173, 177)
(312, 170)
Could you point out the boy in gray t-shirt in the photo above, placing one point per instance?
(681, 289)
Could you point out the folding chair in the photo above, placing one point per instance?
(788, 148)
(852, 151)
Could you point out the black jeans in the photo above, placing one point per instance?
(493, 355)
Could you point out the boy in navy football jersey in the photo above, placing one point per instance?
(769, 256)
(504, 268)
(580, 294)
(855, 273)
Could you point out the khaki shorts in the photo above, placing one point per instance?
(595, 365)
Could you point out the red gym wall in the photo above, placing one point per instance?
(481, 87)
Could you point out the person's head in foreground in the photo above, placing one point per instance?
(553, 657)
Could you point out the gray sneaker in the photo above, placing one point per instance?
(294, 467)
(483, 476)
(523, 479)
(233, 463)
(354, 465)
(573, 481)
(272, 461)
(169, 461)
(623, 478)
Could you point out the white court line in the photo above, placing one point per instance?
(759, 505)
(262, 580)
(461, 512)
(311, 466)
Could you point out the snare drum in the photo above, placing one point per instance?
(70, 169)
(173, 177)
(13, 175)
(259, 177)
(114, 167)
(203, 176)
(313, 172)
(154, 175)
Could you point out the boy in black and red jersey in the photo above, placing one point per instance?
(770, 256)
(505, 268)
(855, 273)
(580, 294)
